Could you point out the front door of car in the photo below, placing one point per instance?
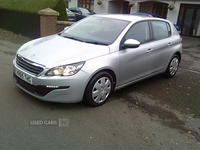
(136, 63)
(77, 13)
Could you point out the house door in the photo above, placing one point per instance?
(126, 8)
(189, 20)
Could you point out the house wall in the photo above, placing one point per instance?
(72, 3)
(173, 15)
(116, 6)
(103, 8)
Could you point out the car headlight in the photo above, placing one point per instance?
(65, 70)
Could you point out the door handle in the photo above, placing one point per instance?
(149, 50)
(170, 43)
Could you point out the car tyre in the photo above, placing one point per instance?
(99, 89)
(172, 67)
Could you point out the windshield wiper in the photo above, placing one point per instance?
(91, 42)
(95, 42)
(73, 38)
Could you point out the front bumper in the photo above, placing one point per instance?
(68, 89)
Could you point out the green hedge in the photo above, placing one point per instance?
(33, 6)
(24, 23)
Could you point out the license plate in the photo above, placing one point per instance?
(24, 76)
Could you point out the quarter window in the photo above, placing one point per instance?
(161, 30)
(139, 31)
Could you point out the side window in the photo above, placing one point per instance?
(139, 31)
(161, 30)
(169, 29)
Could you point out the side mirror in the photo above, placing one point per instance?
(131, 43)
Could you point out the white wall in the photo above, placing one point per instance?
(109, 6)
(173, 15)
(135, 8)
(73, 3)
(103, 8)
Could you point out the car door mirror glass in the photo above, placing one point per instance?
(131, 43)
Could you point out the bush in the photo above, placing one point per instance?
(60, 7)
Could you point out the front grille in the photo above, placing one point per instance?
(29, 65)
(37, 90)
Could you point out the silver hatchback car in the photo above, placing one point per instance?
(95, 56)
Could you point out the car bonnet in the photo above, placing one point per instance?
(55, 50)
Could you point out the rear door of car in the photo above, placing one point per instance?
(161, 45)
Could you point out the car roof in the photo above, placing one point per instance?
(139, 13)
(79, 7)
(147, 14)
(128, 17)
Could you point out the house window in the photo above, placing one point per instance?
(86, 4)
(160, 9)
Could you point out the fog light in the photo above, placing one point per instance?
(52, 86)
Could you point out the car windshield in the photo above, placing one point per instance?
(69, 12)
(96, 30)
(85, 11)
